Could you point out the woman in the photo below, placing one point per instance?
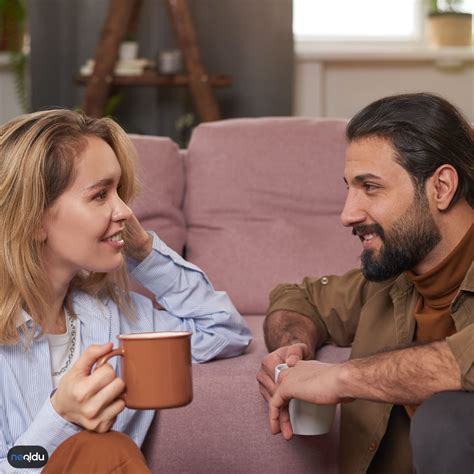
(65, 230)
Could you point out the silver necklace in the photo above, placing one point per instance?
(72, 327)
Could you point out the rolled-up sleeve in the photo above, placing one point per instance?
(462, 347)
(333, 303)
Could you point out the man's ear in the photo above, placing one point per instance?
(445, 181)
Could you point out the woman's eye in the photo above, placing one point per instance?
(100, 196)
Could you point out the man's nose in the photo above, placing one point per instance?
(352, 213)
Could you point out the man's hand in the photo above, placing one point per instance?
(311, 381)
(401, 377)
(138, 243)
(289, 355)
(90, 400)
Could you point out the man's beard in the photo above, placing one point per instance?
(410, 239)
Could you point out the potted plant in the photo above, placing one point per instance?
(12, 32)
(449, 26)
(12, 24)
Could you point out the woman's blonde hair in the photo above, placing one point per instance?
(37, 164)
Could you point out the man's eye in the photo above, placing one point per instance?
(370, 188)
(100, 196)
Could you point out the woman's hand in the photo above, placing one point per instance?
(138, 243)
(90, 400)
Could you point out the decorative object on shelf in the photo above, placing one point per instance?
(450, 26)
(170, 61)
(123, 67)
(128, 49)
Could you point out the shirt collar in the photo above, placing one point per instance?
(468, 282)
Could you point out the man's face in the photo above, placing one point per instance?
(393, 221)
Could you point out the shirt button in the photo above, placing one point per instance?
(372, 446)
(324, 280)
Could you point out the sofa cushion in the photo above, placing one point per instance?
(161, 175)
(262, 204)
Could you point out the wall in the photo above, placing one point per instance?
(339, 82)
(250, 40)
(9, 103)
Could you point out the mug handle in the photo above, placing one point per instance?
(115, 352)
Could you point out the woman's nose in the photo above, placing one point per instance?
(121, 211)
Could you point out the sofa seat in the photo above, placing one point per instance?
(226, 429)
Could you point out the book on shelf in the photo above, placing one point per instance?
(123, 67)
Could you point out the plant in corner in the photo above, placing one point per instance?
(449, 26)
(12, 31)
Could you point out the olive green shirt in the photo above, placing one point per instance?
(375, 317)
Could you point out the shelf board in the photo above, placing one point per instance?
(152, 78)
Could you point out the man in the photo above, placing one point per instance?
(408, 313)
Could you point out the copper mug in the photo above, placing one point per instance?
(156, 369)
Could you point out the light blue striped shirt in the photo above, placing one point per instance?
(191, 304)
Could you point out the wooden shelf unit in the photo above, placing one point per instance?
(155, 79)
(121, 18)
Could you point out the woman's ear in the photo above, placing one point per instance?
(445, 181)
(41, 233)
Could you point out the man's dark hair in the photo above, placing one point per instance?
(426, 132)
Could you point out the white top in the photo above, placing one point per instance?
(59, 345)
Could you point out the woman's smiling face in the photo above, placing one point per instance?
(82, 227)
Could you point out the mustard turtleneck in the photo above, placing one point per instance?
(437, 290)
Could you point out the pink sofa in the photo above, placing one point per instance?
(253, 202)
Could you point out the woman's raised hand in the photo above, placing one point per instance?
(138, 243)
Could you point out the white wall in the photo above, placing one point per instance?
(338, 83)
(9, 105)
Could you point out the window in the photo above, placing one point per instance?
(364, 20)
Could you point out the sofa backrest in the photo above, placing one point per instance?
(262, 204)
(161, 176)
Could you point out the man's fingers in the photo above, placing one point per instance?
(292, 360)
(89, 357)
(285, 423)
(266, 382)
(264, 392)
(278, 414)
(296, 352)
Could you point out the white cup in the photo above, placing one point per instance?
(170, 61)
(307, 418)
